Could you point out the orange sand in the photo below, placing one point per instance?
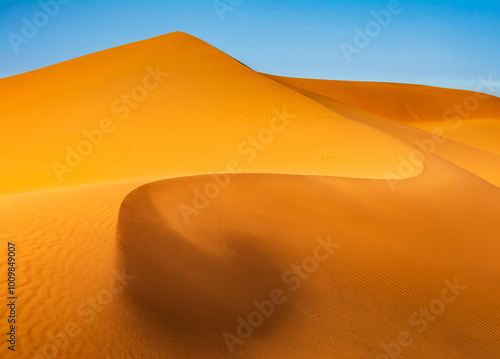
(120, 256)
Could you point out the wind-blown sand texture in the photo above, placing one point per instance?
(128, 245)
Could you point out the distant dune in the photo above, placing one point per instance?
(170, 202)
(466, 121)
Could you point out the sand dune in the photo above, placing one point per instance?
(438, 136)
(392, 255)
(412, 104)
(357, 218)
(194, 103)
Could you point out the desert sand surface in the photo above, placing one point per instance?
(161, 192)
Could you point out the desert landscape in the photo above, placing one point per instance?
(167, 201)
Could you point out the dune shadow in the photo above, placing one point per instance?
(196, 294)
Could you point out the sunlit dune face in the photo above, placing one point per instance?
(104, 124)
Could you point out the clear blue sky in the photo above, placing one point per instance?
(448, 43)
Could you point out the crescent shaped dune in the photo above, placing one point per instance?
(167, 201)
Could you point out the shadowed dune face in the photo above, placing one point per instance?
(181, 283)
(396, 251)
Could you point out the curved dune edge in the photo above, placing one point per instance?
(396, 252)
(54, 228)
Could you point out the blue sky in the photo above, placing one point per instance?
(440, 43)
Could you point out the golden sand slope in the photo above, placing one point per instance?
(210, 109)
(467, 138)
(411, 104)
(164, 272)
